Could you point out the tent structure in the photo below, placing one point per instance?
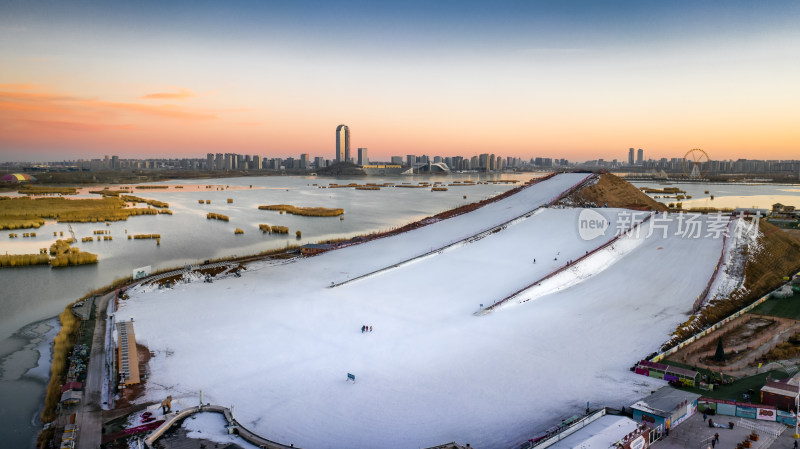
(15, 178)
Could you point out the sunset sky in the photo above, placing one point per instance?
(573, 79)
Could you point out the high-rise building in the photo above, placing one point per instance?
(305, 162)
(256, 162)
(630, 156)
(410, 160)
(362, 156)
(397, 160)
(210, 161)
(640, 157)
(342, 143)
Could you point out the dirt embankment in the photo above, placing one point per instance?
(612, 191)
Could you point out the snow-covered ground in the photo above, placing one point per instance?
(277, 343)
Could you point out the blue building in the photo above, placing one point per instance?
(666, 408)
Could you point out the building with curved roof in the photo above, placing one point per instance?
(15, 178)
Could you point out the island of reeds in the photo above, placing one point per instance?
(62, 255)
(267, 229)
(305, 211)
(25, 212)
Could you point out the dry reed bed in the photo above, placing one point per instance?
(146, 236)
(13, 223)
(146, 187)
(216, 216)
(20, 210)
(63, 255)
(439, 189)
(267, 229)
(23, 260)
(238, 231)
(42, 190)
(136, 199)
(304, 211)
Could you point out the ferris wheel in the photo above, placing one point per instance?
(695, 163)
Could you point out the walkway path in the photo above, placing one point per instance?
(175, 418)
(90, 415)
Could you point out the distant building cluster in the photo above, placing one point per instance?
(485, 162)
(637, 163)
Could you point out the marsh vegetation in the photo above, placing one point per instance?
(304, 211)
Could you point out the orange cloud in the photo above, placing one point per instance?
(181, 95)
(170, 111)
(74, 126)
(15, 104)
(19, 86)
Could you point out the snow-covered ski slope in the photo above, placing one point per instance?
(391, 250)
(277, 343)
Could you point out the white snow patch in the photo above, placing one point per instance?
(211, 426)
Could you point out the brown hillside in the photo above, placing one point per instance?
(613, 191)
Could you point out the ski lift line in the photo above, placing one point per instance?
(563, 268)
(469, 239)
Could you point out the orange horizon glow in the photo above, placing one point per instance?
(151, 124)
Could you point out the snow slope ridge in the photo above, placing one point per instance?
(449, 247)
(585, 268)
(429, 240)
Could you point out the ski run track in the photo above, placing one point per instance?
(278, 342)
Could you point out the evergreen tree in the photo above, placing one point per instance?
(719, 356)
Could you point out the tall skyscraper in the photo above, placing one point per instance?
(640, 157)
(362, 157)
(342, 143)
(630, 156)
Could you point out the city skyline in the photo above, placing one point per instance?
(577, 80)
